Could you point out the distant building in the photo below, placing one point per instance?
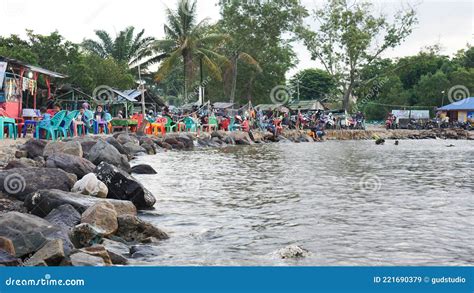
(460, 111)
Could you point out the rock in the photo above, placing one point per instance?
(117, 251)
(103, 216)
(140, 251)
(23, 181)
(133, 229)
(8, 260)
(23, 163)
(256, 136)
(52, 253)
(99, 251)
(71, 164)
(111, 140)
(133, 149)
(186, 140)
(64, 216)
(90, 185)
(143, 169)
(380, 141)
(21, 154)
(241, 138)
(71, 148)
(42, 202)
(104, 152)
(292, 251)
(81, 259)
(28, 232)
(149, 148)
(125, 138)
(175, 144)
(164, 145)
(85, 235)
(7, 245)
(34, 148)
(87, 146)
(124, 187)
(11, 205)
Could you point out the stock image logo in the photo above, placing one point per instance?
(14, 184)
(281, 94)
(457, 94)
(370, 183)
(103, 94)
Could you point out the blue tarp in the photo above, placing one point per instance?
(463, 105)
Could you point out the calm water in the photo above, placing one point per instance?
(348, 203)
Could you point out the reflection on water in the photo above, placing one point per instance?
(348, 203)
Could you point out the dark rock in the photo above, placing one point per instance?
(117, 251)
(104, 152)
(87, 145)
(23, 181)
(141, 251)
(85, 235)
(52, 253)
(111, 140)
(133, 229)
(164, 145)
(64, 216)
(133, 149)
(42, 202)
(71, 164)
(34, 148)
(143, 169)
(11, 205)
(150, 148)
(124, 187)
(186, 141)
(28, 232)
(124, 138)
(8, 260)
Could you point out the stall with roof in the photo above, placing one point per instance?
(306, 105)
(461, 111)
(19, 89)
(70, 98)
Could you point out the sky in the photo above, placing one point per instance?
(449, 23)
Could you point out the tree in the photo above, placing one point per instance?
(313, 84)
(190, 41)
(350, 38)
(126, 47)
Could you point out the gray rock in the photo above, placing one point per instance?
(23, 181)
(52, 253)
(8, 260)
(34, 148)
(141, 251)
(143, 169)
(124, 187)
(292, 251)
(104, 152)
(55, 147)
(111, 140)
(133, 229)
(85, 235)
(64, 216)
(133, 149)
(71, 164)
(124, 138)
(81, 259)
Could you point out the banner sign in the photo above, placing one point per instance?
(237, 279)
(3, 70)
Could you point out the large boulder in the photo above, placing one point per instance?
(122, 186)
(24, 163)
(99, 251)
(85, 235)
(87, 145)
(133, 229)
(149, 147)
(143, 169)
(118, 251)
(124, 138)
(187, 140)
(34, 148)
(134, 149)
(9, 260)
(71, 164)
(64, 216)
(28, 232)
(241, 138)
(42, 202)
(23, 181)
(71, 148)
(82, 259)
(104, 152)
(52, 253)
(90, 185)
(114, 142)
(103, 216)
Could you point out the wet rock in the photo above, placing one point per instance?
(133, 149)
(117, 251)
(9, 260)
(34, 148)
(241, 138)
(103, 216)
(125, 138)
(55, 147)
(52, 253)
(143, 169)
(150, 148)
(292, 251)
(42, 202)
(90, 185)
(71, 164)
(141, 251)
(23, 181)
(81, 259)
(27, 232)
(124, 187)
(85, 235)
(7, 245)
(186, 140)
(133, 229)
(99, 251)
(111, 140)
(104, 152)
(64, 216)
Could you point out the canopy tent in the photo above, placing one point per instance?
(463, 105)
(18, 78)
(310, 105)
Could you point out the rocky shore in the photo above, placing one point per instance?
(75, 202)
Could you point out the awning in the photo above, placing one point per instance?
(32, 67)
(222, 105)
(306, 105)
(463, 105)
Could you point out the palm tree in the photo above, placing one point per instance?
(190, 40)
(126, 47)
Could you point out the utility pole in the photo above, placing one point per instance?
(298, 88)
(142, 90)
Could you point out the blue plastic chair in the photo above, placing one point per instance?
(52, 127)
(12, 127)
(191, 125)
(65, 126)
(234, 126)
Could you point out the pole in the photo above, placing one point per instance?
(142, 90)
(298, 89)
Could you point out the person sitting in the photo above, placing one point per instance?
(99, 113)
(45, 121)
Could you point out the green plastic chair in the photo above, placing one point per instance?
(191, 125)
(12, 127)
(66, 125)
(168, 126)
(234, 126)
(89, 120)
(212, 123)
(52, 127)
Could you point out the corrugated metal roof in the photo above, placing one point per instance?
(306, 105)
(463, 105)
(33, 68)
(222, 105)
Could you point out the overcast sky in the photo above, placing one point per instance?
(447, 22)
